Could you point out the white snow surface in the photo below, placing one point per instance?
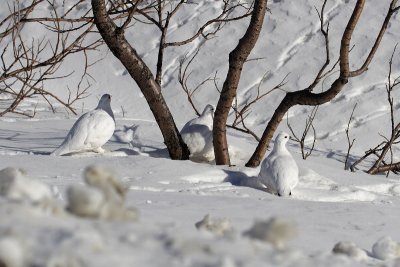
(331, 205)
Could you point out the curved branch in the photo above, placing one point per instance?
(392, 9)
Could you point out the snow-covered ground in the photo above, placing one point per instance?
(329, 204)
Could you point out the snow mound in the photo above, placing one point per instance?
(218, 226)
(103, 197)
(12, 253)
(350, 249)
(276, 231)
(386, 249)
(315, 187)
(14, 184)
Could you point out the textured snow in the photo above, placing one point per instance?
(330, 205)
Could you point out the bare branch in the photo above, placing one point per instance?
(350, 143)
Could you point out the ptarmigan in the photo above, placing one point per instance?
(91, 131)
(279, 171)
(197, 134)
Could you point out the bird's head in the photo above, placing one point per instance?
(104, 102)
(209, 109)
(282, 138)
(106, 98)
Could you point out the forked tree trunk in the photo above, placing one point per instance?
(306, 97)
(120, 47)
(236, 60)
(291, 99)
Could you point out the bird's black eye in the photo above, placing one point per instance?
(286, 136)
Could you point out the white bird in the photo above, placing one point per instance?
(91, 131)
(197, 134)
(15, 185)
(279, 171)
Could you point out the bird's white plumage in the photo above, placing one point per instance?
(279, 171)
(197, 134)
(91, 131)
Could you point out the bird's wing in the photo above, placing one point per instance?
(76, 136)
(266, 175)
(285, 172)
(99, 128)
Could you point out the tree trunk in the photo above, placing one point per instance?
(305, 97)
(119, 46)
(236, 60)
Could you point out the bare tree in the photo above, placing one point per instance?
(385, 147)
(30, 72)
(113, 35)
(150, 86)
(228, 93)
(184, 75)
(306, 96)
(241, 110)
(308, 125)
(35, 61)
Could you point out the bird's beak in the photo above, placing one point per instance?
(291, 138)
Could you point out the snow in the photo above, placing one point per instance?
(385, 249)
(329, 206)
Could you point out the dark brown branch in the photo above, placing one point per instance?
(305, 97)
(236, 60)
(392, 9)
(142, 75)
